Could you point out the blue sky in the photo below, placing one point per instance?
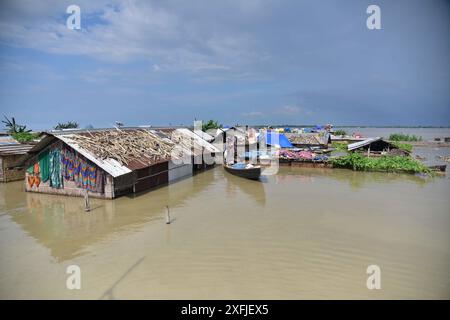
(248, 62)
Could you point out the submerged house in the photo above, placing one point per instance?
(376, 146)
(106, 163)
(10, 152)
(193, 149)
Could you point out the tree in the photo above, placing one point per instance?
(66, 125)
(14, 127)
(211, 124)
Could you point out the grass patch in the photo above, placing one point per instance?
(386, 163)
(404, 137)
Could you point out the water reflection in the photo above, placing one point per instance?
(304, 233)
(253, 189)
(61, 224)
(356, 180)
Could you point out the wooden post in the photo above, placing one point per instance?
(167, 215)
(87, 206)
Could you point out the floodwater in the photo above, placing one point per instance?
(301, 234)
(427, 134)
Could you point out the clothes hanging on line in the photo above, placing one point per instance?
(44, 164)
(81, 171)
(55, 168)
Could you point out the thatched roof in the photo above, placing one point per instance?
(125, 146)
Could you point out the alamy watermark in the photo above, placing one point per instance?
(73, 281)
(374, 280)
(230, 145)
(73, 22)
(374, 20)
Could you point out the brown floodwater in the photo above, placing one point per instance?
(304, 233)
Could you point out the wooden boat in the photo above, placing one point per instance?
(252, 173)
(439, 168)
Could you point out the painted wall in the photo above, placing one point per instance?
(69, 187)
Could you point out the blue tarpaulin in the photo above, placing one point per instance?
(318, 128)
(275, 138)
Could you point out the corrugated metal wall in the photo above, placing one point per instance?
(153, 176)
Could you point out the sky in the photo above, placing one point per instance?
(168, 62)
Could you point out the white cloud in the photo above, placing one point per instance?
(171, 34)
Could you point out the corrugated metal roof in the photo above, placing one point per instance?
(205, 136)
(7, 139)
(359, 144)
(203, 143)
(14, 149)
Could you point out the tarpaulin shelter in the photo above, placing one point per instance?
(274, 138)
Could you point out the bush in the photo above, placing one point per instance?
(24, 137)
(339, 146)
(211, 124)
(388, 163)
(404, 137)
(403, 146)
(340, 132)
(66, 125)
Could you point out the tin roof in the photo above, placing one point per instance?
(359, 144)
(204, 135)
(197, 140)
(7, 139)
(14, 149)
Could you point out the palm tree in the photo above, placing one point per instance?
(13, 127)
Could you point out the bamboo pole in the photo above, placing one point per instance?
(87, 204)
(167, 215)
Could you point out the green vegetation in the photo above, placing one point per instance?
(24, 137)
(19, 132)
(388, 163)
(339, 146)
(340, 132)
(211, 124)
(66, 125)
(13, 127)
(404, 137)
(403, 146)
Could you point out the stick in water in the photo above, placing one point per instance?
(167, 215)
(87, 206)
